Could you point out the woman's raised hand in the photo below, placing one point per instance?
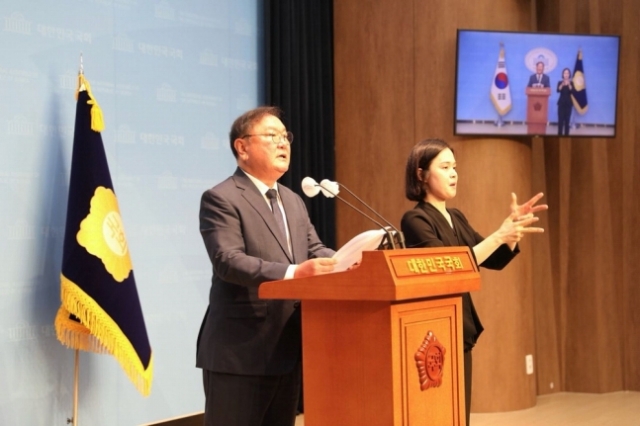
(520, 210)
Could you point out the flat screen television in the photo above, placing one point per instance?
(516, 83)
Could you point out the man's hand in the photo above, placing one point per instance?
(319, 266)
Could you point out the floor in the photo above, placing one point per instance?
(565, 409)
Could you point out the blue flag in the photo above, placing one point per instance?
(100, 309)
(579, 92)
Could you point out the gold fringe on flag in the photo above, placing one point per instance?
(97, 119)
(95, 323)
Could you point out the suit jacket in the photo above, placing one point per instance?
(544, 80)
(425, 226)
(241, 333)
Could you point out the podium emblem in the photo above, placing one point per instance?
(430, 361)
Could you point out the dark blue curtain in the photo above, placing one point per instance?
(299, 79)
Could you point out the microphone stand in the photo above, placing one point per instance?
(398, 233)
(381, 226)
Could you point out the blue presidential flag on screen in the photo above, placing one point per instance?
(100, 309)
(579, 92)
(500, 90)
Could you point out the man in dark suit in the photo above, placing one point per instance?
(249, 348)
(539, 79)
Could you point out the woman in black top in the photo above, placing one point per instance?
(431, 180)
(565, 87)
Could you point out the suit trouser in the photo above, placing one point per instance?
(236, 400)
(564, 116)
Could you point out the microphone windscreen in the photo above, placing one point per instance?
(310, 187)
(329, 189)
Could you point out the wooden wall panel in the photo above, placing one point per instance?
(576, 295)
(489, 170)
(546, 311)
(594, 262)
(374, 85)
(628, 114)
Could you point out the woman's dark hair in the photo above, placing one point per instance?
(246, 121)
(566, 69)
(421, 157)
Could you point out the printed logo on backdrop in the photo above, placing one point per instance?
(165, 93)
(199, 20)
(120, 4)
(164, 11)
(125, 135)
(16, 75)
(200, 99)
(22, 230)
(159, 50)
(128, 181)
(18, 181)
(164, 231)
(209, 141)
(64, 34)
(541, 54)
(193, 183)
(20, 126)
(15, 23)
(238, 64)
(161, 139)
(24, 331)
(69, 80)
(122, 43)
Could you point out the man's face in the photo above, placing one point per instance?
(540, 68)
(259, 155)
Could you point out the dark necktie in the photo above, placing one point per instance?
(272, 195)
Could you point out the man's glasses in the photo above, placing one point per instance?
(276, 139)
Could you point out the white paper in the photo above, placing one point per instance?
(351, 252)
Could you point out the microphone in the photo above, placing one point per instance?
(310, 187)
(330, 189)
(327, 182)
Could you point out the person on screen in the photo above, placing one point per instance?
(255, 230)
(431, 180)
(565, 87)
(539, 79)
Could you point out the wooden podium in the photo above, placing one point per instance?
(382, 344)
(537, 109)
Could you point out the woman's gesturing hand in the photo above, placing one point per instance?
(528, 207)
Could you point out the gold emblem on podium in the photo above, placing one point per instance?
(430, 362)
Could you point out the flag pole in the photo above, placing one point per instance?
(76, 375)
(76, 363)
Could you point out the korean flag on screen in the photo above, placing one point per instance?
(500, 91)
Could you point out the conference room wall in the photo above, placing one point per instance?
(567, 299)
(596, 241)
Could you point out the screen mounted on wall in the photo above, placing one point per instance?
(514, 83)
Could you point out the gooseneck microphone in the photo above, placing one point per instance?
(330, 189)
(400, 234)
